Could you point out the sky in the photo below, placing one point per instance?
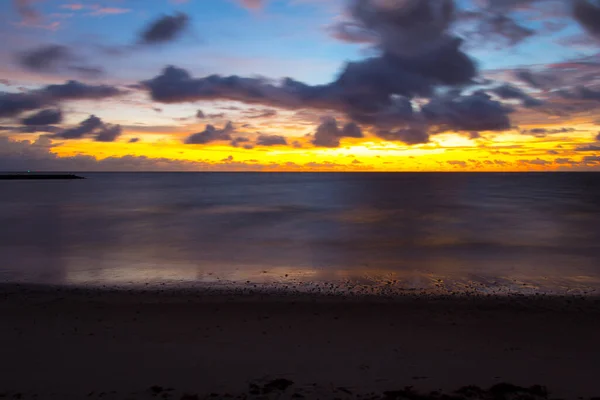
(300, 85)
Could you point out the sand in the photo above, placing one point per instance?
(179, 344)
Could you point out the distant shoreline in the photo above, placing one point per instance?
(29, 176)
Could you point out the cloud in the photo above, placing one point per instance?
(543, 132)
(588, 15)
(265, 114)
(30, 129)
(565, 161)
(418, 55)
(108, 133)
(328, 133)
(537, 161)
(92, 126)
(12, 104)
(488, 26)
(134, 140)
(580, 93)
(200, 114)
(406, 91)
(457, 163)
(56, 58)
(507, 91)
(351, 130)
(25, 10)
(598, 137)
(165, 29)
(211, 134)
(410, 135)
(45, 58)
(271, 140)
(43, 117)
(536, 80)
(241, 142)
(589, 147)
(475, 112)
(75, 90)
(352, 33)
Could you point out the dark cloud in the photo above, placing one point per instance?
(588, 15)
(43, 117)
(565, 161)
(410, 135)
(537, 161)
(591, 159)
(165, 29)
(501, 29)
(75, 90)
(507, 91)
(588, 147)
(536, 80)
(217, 115)
(91, 127)
(543, 132)
(241, 142)
(271, 140)
(328, 134)
(13, 104)
(580, 93)
(86, 71)
(176, 85)
(265, 114)
(108, 133)
(84, 128)
(211, 134)
(366, 91)
(56, 58)
(134, 140)
(474, 135)
(598, 137)
(31, 129)
(475, 112)
(352, 130)
(45, 58)
(200, 114)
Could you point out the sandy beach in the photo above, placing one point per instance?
(69, 343)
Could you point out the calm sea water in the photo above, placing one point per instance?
(487, 232)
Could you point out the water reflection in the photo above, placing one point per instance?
(518, 231)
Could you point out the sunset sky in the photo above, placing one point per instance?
(300, 85)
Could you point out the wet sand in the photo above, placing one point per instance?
(130, 344)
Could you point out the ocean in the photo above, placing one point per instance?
(371, 232)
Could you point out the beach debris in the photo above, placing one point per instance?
(276, 385)
(156, 389)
